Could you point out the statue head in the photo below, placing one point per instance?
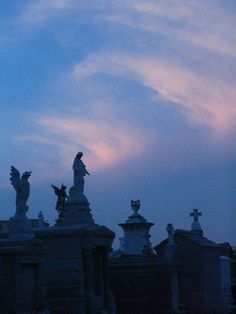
(79, 155)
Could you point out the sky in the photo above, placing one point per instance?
(145, 89)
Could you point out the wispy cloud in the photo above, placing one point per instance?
(104, 142)
(193, 33)
(206, 25)
(202, 24)
(36, 12)
(203, 99)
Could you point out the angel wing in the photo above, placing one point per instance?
(63, 188)
(56, 189)
(14, 177)
(26, 175)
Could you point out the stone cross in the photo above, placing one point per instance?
(195, 227)
(170, 230)
(195, 214)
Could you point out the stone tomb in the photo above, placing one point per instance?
(76, 269)
(199, 263)
(142, 282)
(60, 269)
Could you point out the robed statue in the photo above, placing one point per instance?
(80, 172)
(61, 197)
(76, 193)
(22, 187)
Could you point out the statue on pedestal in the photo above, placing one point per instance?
(75, 210)
(22, 187)
(19, 225)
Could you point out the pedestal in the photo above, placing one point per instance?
(20, 227)
(76, 213)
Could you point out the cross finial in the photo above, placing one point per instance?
(195, 227)
(195, 214)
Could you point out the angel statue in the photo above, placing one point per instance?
(22, 187)
(61, 197)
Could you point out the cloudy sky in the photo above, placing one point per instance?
(146, 89)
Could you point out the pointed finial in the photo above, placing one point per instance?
(40, 219)
(170, 231)
(40, 215)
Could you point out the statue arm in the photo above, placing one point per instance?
(85, 170)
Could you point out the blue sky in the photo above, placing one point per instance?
(145, 89)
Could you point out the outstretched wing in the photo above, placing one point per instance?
(63, 188)
(26, 175)
(14, 177)
(56, 189)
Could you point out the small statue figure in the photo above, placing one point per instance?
(22, 187)
(80, 172)
(61, 197)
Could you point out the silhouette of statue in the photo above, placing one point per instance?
(61, 197)
(22, 188)
(80, 172)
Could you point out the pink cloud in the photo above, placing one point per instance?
(203, 98)
(104, 142)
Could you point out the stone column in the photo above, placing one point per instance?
(100, 270)
(87, 268)
(88, 278)
(106, 268)
(174, 291)
(109, 299)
